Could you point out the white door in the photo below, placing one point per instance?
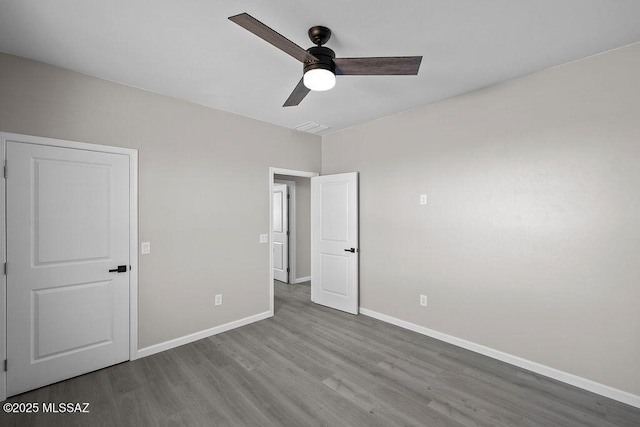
(280, 244)
(334, 241)
(67, 226)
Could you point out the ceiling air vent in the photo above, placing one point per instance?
(311, 127)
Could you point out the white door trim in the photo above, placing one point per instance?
(133, 235)
(272, 172)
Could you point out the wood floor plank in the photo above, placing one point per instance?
(313, 366)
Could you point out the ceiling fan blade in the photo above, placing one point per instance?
(297, 95)
(250, 23)
(389, 65)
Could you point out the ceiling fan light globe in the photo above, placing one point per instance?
(319, 79)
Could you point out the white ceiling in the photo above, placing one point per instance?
(190, 50)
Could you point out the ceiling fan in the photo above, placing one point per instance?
(320, 65)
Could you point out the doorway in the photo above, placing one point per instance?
(300, 247)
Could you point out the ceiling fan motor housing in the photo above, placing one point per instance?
(324, 60)
(319, 35)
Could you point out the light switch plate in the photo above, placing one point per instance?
(264, 238)
(423, 300)
(145, 248)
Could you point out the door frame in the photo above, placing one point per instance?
(133, 235)
(272, 172)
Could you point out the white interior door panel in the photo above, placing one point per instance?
(334, 240)
(280, 244)
(67, 226)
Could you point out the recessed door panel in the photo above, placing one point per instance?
(278, 256)
(278, 225)
(71, 211)
(335, 274)
(335, 217)
(83, 311)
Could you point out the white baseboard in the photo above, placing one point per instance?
(301, 280)
(556, 374)
(167, 345)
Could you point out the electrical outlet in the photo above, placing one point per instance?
(423, 300)
(423, 199)
(218, 300)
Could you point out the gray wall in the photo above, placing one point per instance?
(203, 187)
(303, 224)
(530, 241)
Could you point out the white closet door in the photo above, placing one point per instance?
(67, 226)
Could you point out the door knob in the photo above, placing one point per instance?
(352, 250)
(120, 269)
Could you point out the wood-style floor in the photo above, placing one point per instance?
(308, 366)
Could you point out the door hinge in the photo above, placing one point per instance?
(5, 268)
(288, 196)
(288, 270)
(5, 168)
(287, 233)
(5, 365)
